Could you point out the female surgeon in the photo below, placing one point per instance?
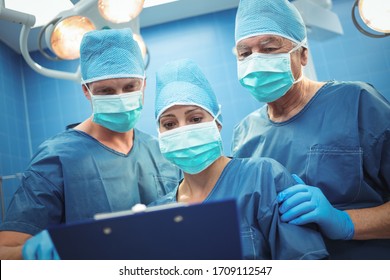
(189, 122)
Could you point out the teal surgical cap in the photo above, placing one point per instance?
(110, 53)
(182, 82)
(271, 17)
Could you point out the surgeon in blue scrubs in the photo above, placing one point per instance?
(334, 135)
(189, 121)
(102, 165)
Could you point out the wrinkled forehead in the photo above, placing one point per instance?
(263, 40)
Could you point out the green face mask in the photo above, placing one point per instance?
(117, 112)
(267, 76)
(192, 148)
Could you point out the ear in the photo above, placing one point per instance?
(304, 56)
(143, 92)
(219, 126)
(85, 91)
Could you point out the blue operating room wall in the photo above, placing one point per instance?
(34, 107)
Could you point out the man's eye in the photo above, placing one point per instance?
(242, 55)
(269, 50)
(104, 91)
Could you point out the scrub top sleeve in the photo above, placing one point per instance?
(374, 125)
(36, 204)
(235, 139)
(286, 241)
(291, 242)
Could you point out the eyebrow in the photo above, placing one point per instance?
(265, 41)
(186, 113)
(102, 87)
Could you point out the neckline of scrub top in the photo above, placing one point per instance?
(224, 171)
(300, 113)
(133, 148)
(217, 184)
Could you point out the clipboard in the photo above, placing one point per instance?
(206, 231)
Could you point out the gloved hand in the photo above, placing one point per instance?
(40, 247)
(302, 204)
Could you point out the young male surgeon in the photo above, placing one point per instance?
(102, 165)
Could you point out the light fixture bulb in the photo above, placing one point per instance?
(119, 11)
(375, 14)
(67, 35)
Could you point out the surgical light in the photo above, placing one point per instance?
(63, 34)
(375, 14)
(119, 11)
(67, 34)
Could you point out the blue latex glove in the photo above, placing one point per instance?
(40, 247)
(302, 204)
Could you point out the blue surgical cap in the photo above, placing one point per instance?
(182, 82)
(271, 17)
(110, 53)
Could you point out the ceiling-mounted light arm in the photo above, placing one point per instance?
(361, 29)
(27, 21)
(38, 68)
(41, 35)
(15, 16)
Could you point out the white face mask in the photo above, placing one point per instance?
(192, 148)
(267, 76)
(117, 112)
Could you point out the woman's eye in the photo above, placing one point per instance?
(169, 125)
(130, 88)
(197, 119)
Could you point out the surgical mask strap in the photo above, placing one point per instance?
(298, 46)
(218, 113)
(85, 84)
(293, 50)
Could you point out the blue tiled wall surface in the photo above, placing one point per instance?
(353, 56)
(14, 144)
(52, 104)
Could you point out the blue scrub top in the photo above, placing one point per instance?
(73, 176)
(339, 142)
(254, 184)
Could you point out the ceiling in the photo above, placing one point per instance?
(9, 32)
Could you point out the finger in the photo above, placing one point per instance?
(29, 251)
(304, 219)
(293, 201)
(298, 211)
(287, 193)
(297, 179)
(45, 250)
(55, 254)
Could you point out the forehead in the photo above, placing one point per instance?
(115, 82)
(178, 111)
(262, 40)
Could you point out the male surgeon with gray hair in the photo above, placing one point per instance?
(334, 135)
(102, 165)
